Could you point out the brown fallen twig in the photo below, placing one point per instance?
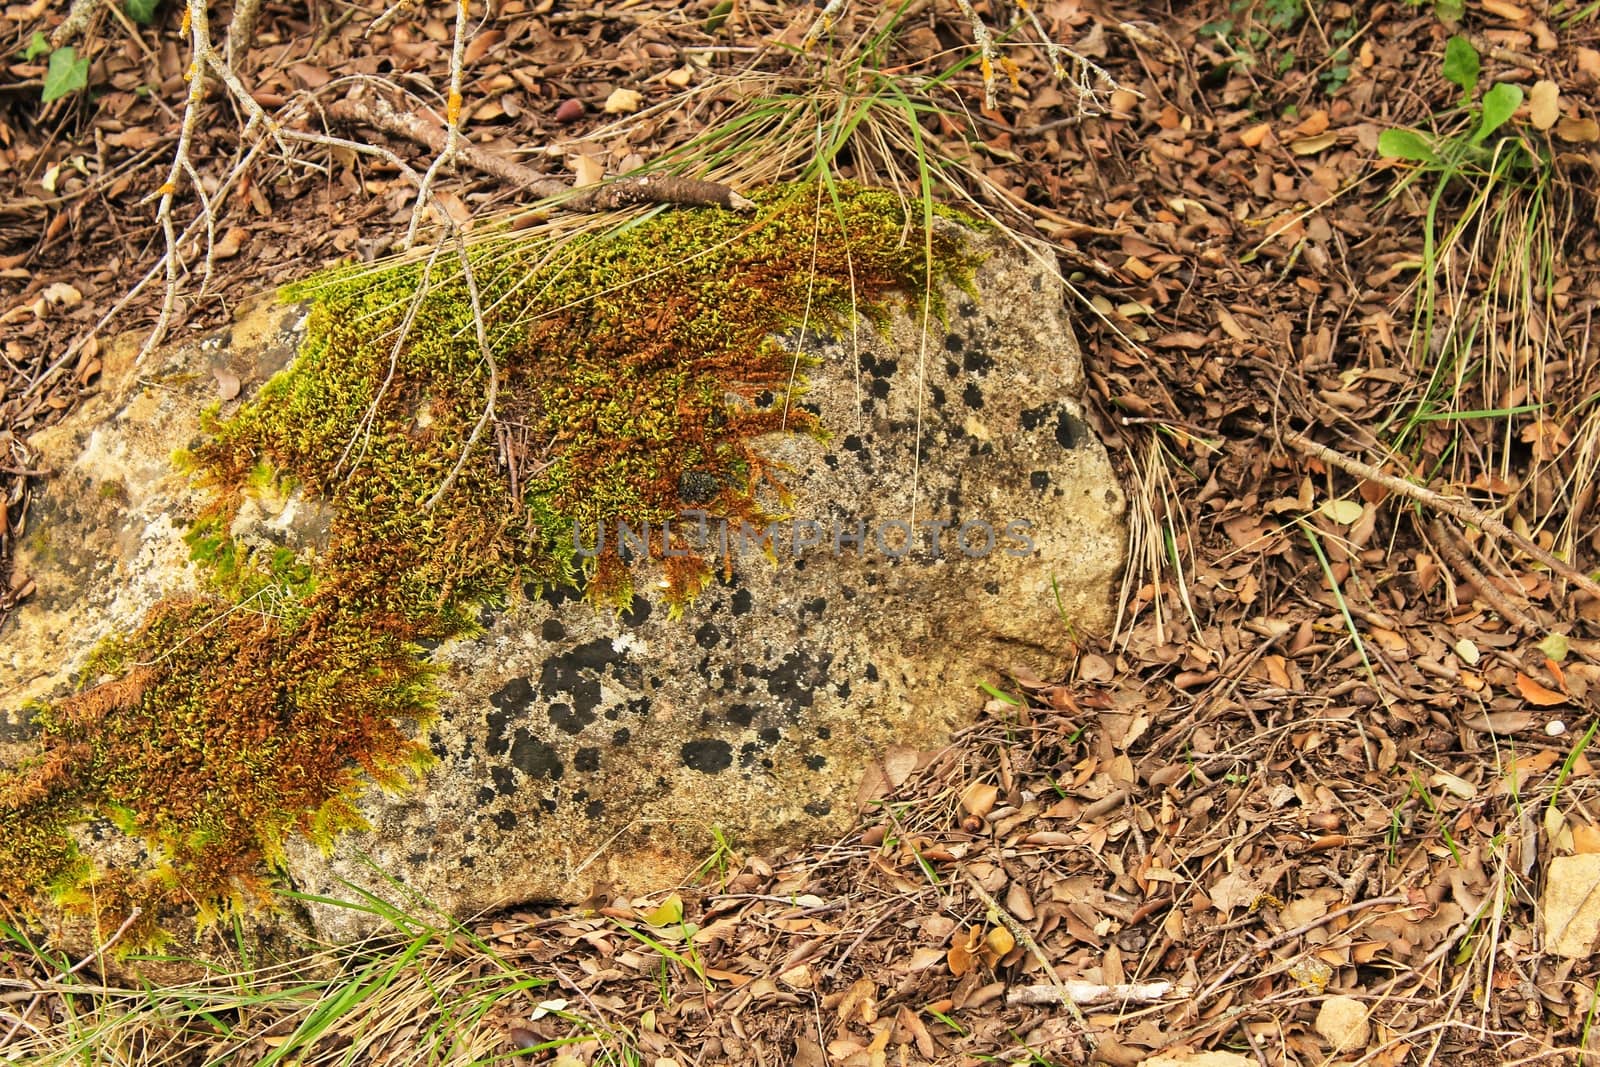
(1287, 936)
(374, 112)
(1458, 509)
(1457, 559)
(1095, 993)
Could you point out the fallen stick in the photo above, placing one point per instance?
(1093, 993)
(377, 113)
(1459, 509)
(1480, 582)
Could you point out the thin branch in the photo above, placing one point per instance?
(1485, 587)
(1287, 936)
(1458, 509)
(1094, 993)
(377, 113)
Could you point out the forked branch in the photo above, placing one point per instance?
(374, 112)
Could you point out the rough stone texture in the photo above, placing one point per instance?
(1342, 1022)
(576, 748)
(1570, 915)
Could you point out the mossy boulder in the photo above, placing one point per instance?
(709, 512)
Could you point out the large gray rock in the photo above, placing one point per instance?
(577, 747)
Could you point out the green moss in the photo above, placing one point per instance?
(629, 365)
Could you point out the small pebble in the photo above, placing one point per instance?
(1555, 727)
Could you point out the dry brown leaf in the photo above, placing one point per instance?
(1544, 104)
(1578, 131)
(1537, 694)
(978, 798)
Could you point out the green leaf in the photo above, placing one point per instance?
(1555, 647)
(1461, 63)
(1407, 144)
(1499, 104)
(37, 46)
(1450, 11)
(67, 73)
(718, 16)
(141, 11)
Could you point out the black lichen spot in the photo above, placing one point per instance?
(972, 396)
(586, 759)
(506, 820)
(765, 398)
(851, 443)
(770, 735)
(638, 611)
(505, 783)
(707, 755)
(977, 361)
(1033, 418)
(549, 804)
(594, 809)
(816, 761)
(707, 635)
(699, 487)
(872, 672)
(512, 701)
(796, 679)
(620, 737)
(823, 733)
(573, 674)
(569, 721)
(535, 758)
(485, 794)
(1039, 479)
(743, 601)
(953, 342)
(1070, 430)
(552, 630)
(818, 808)
(816, 606)
(938, 397)
(967, 309)
(554, 596)
(742, 714)
(879, 388)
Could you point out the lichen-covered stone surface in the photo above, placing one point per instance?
(933, 512)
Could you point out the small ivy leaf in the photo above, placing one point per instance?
(37, 46)
(1499, 104)
(1406, 144)
(1461, 64)
(141, 11)
(67, 73)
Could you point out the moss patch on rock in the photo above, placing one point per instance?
(633, 372)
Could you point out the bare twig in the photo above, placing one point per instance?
(1287, 936)
(375, 112)
(1025, 939)
(1458, 509)
(1094, 993)
(1481, 582)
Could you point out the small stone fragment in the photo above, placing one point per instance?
(1342, 1022)
(1571, 911)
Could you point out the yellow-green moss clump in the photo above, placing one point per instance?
(634, 371)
